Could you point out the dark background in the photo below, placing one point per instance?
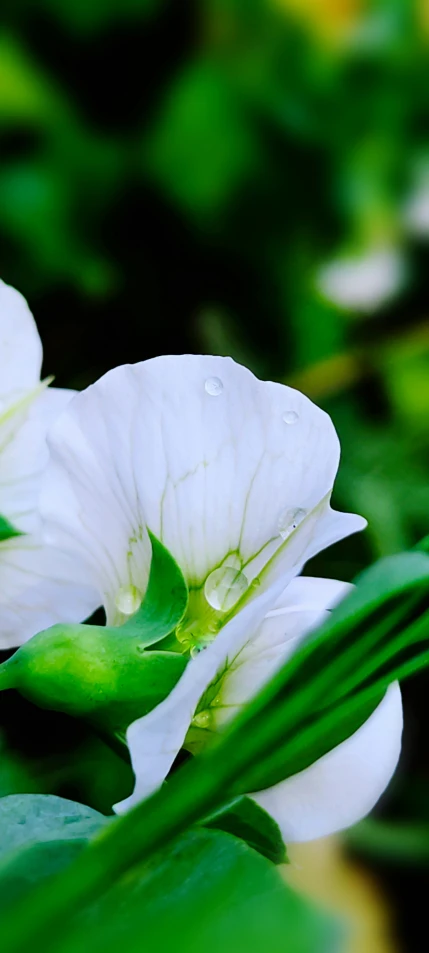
(204, 176)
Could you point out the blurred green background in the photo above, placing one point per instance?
(243, 177)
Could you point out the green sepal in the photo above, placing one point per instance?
(102, 673)
(7, 530)
(165, 601)
(93, 672)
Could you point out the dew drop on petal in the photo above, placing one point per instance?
(224, 586)
(128, 600)
(196, 649)
(213, 386)
(290, 417)
(289, 520)
(202, 719)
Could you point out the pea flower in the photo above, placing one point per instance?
(363, 282)
(234, 476)
(34, 587)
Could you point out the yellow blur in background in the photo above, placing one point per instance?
(322, 871)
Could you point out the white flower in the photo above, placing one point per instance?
(234, 476)
(416, 208)
(34, 588)
(363, 282)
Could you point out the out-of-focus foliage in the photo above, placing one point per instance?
(238, 176)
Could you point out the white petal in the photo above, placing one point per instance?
(36, 591)
(36, 582)
(342, 786)
(155, 740)
(20, 347)
(209, 473)
(313, 592)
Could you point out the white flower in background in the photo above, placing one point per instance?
(416, 209)
(363, 282)
(234, 476)
(34, 588)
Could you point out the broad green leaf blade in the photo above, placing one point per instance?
(210, 892)
(31, 818)
(7, 530)
(165, 600)
(247, 820)
(24, 869)
(40, 835)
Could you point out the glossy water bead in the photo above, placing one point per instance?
(290, 417)
(213, 386)
(289, 519)
(128, 600)
(224, 586)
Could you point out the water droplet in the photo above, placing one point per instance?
(196, 649)
(213, 386)
(128, 600)
(289, 520)
(290, 417)
(202, 720)
(224, 586)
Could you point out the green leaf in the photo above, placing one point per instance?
(202, 145)
(7, 531)
(89, 18)
(25, 869)
(246, 820)
(31, 818)
(400, 842)
(39, 836)
(209, 892)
